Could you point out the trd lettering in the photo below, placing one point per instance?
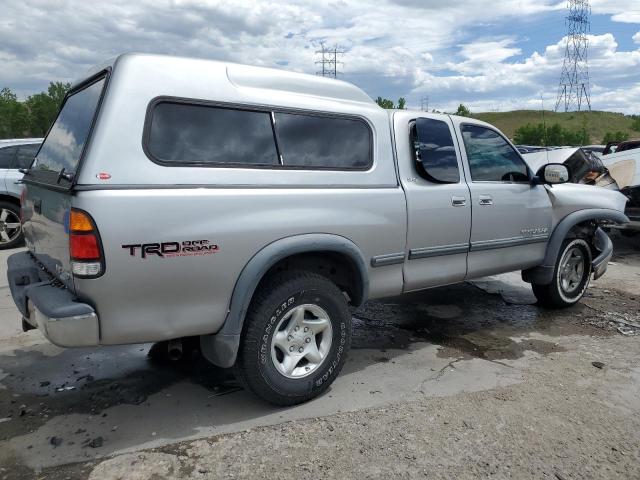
(186, 248)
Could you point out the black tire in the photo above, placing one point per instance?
(555, 295)
(10, 237)
(272, 306)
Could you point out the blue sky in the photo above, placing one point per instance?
(489, 55)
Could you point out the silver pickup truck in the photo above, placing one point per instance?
(250, 207)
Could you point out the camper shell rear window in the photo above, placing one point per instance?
(202, 134)
(58, 159)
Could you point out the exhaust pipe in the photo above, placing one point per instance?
(174, 349)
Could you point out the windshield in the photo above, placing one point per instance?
(65, 142)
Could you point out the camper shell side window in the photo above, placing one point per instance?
(181, 133)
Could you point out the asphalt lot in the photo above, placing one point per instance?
(415, 358)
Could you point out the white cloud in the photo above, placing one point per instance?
(625, 11)
(636, 37)
(394, 47)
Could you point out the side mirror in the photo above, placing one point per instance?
(553, 173)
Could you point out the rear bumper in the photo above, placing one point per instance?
(62, 318)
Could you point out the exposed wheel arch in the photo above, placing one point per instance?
(4, 197)
(221, 348)
(543, 274)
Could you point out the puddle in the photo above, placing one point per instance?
(463, 319)
(38, 387)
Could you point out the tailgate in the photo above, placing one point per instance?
(46, 230)
(49, 181)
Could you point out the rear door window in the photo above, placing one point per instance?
(65, 142)
(6, 156)
(205, 135)
(435, 155)
(25, 156)
(315, 141)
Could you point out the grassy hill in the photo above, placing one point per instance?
(597, 123)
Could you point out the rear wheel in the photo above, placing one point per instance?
(570, 276)
(10, 227)
(295, 339)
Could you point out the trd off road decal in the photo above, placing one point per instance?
(187, 248)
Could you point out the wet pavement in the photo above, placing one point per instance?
(59, 406)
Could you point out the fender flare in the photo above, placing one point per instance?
(543, 274)
(221, 348)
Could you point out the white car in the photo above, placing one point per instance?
(15, 154)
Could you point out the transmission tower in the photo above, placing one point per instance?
(424, 103)
(329, 60)
(573, 91)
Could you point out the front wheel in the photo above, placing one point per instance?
(295, 339)
(570, 276)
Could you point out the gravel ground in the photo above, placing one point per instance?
(568, 419)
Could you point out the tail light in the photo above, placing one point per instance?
(85, 247)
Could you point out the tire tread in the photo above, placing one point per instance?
(275, 287)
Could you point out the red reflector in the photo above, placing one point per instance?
(23, 196)
(84, 247)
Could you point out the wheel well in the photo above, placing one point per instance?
(337, 267)
(10, 199)
(586, 231)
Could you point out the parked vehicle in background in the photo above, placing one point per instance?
(596, 149)
(584, 165)
(291, 197)
(614, 147)
(15, 154)
(530, 148)
(624, 166)
(618, 170)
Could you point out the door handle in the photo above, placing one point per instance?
(458, 201)
(486, 200)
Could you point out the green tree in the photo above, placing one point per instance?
(463, 111)
(616, 136)
(385, 103)
(57, 91)
(530, 134)
(402, 103)
(43, 107)
(33, 116)
(14, 116)
(635, 124)
(554, 135)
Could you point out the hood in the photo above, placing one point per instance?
(570, 197)
(535, 160)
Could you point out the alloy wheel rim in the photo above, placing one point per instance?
(10, 226)
(302, 341)
(571, 269)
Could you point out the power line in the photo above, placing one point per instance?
(329, 60)
(573, 90)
